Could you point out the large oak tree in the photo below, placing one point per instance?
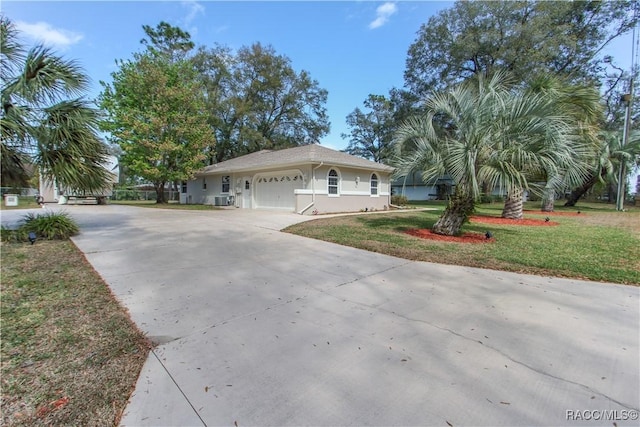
(256, 100)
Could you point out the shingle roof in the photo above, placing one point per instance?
(313, 153)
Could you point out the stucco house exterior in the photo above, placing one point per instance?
(308, 179)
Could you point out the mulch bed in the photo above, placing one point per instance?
(505, 221)
(464, 238)
(482, 219)
(563, 213)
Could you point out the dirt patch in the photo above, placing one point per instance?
(463, 238)
(506, 221)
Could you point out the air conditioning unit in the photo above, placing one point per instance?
(221, 201)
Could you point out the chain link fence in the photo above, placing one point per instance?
(129, 194)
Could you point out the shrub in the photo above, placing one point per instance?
(6, 234)
(399, 200)
(50, 225)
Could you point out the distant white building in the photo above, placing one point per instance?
(51, 191)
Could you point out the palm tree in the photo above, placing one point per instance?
(581, 103)
(44, 121)
(607, 160)
(485, 132)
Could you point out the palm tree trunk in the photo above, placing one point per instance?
(455, 215)
(548, 199)
(513, 205)
(580, 191)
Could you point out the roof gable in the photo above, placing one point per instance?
(304, 154)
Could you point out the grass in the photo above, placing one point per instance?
(24, 202)
(601, 245)
(70, 353)
(170, 205)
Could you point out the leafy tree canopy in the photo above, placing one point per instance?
(156, 111)
(371, 132)
(524, 37)
(258, 101)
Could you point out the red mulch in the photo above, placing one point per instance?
(506, 221)
(481, 238)
(464, 238)
(563, 213)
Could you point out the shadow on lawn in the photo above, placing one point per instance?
(401, 222)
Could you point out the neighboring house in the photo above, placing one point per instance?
(51, 192)
(308, 179)
(414, 188)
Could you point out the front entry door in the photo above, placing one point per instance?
(246, 192)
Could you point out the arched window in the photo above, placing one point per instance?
(374, 184)
(332, 182)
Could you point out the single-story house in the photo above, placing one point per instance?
(308, 179)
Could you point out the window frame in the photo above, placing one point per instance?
(373, 187)
(336, 185)
(225, 181)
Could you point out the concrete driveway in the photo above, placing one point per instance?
(259, 327)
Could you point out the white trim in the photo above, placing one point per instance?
(377, 185)
(355, 193)
(309, 191)
(385, 193)
(339, 183)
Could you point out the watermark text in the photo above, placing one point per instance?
(602, 414)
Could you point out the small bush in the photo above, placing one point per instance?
(399, 200)
(50, 226)
(6, 234)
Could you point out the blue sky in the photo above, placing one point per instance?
(352, 48)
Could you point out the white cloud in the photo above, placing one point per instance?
(194, 9)
(383, 13)
(48, 35)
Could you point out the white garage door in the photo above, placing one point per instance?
(275, 190)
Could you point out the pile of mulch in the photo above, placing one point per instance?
(506, 221)
(563, 213)
(463, 238)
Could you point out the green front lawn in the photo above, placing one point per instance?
(600, 244)
(70, 353)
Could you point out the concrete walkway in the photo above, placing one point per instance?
(259, 327)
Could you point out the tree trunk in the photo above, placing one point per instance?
(548, 199)
(454, 216)
(580, 191)
(160, 193)
(513, 205)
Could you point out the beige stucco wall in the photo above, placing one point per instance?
(354, 192)
(354, 189)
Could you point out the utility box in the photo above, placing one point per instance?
(11, 200)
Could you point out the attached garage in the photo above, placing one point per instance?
(308, 179)
(276, 190)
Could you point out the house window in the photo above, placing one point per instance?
(246, 185)
(204, 183)
(226, 181)
(183, 190)
(374, 184)
(332, 183)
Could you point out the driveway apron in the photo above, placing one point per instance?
(258, 327)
